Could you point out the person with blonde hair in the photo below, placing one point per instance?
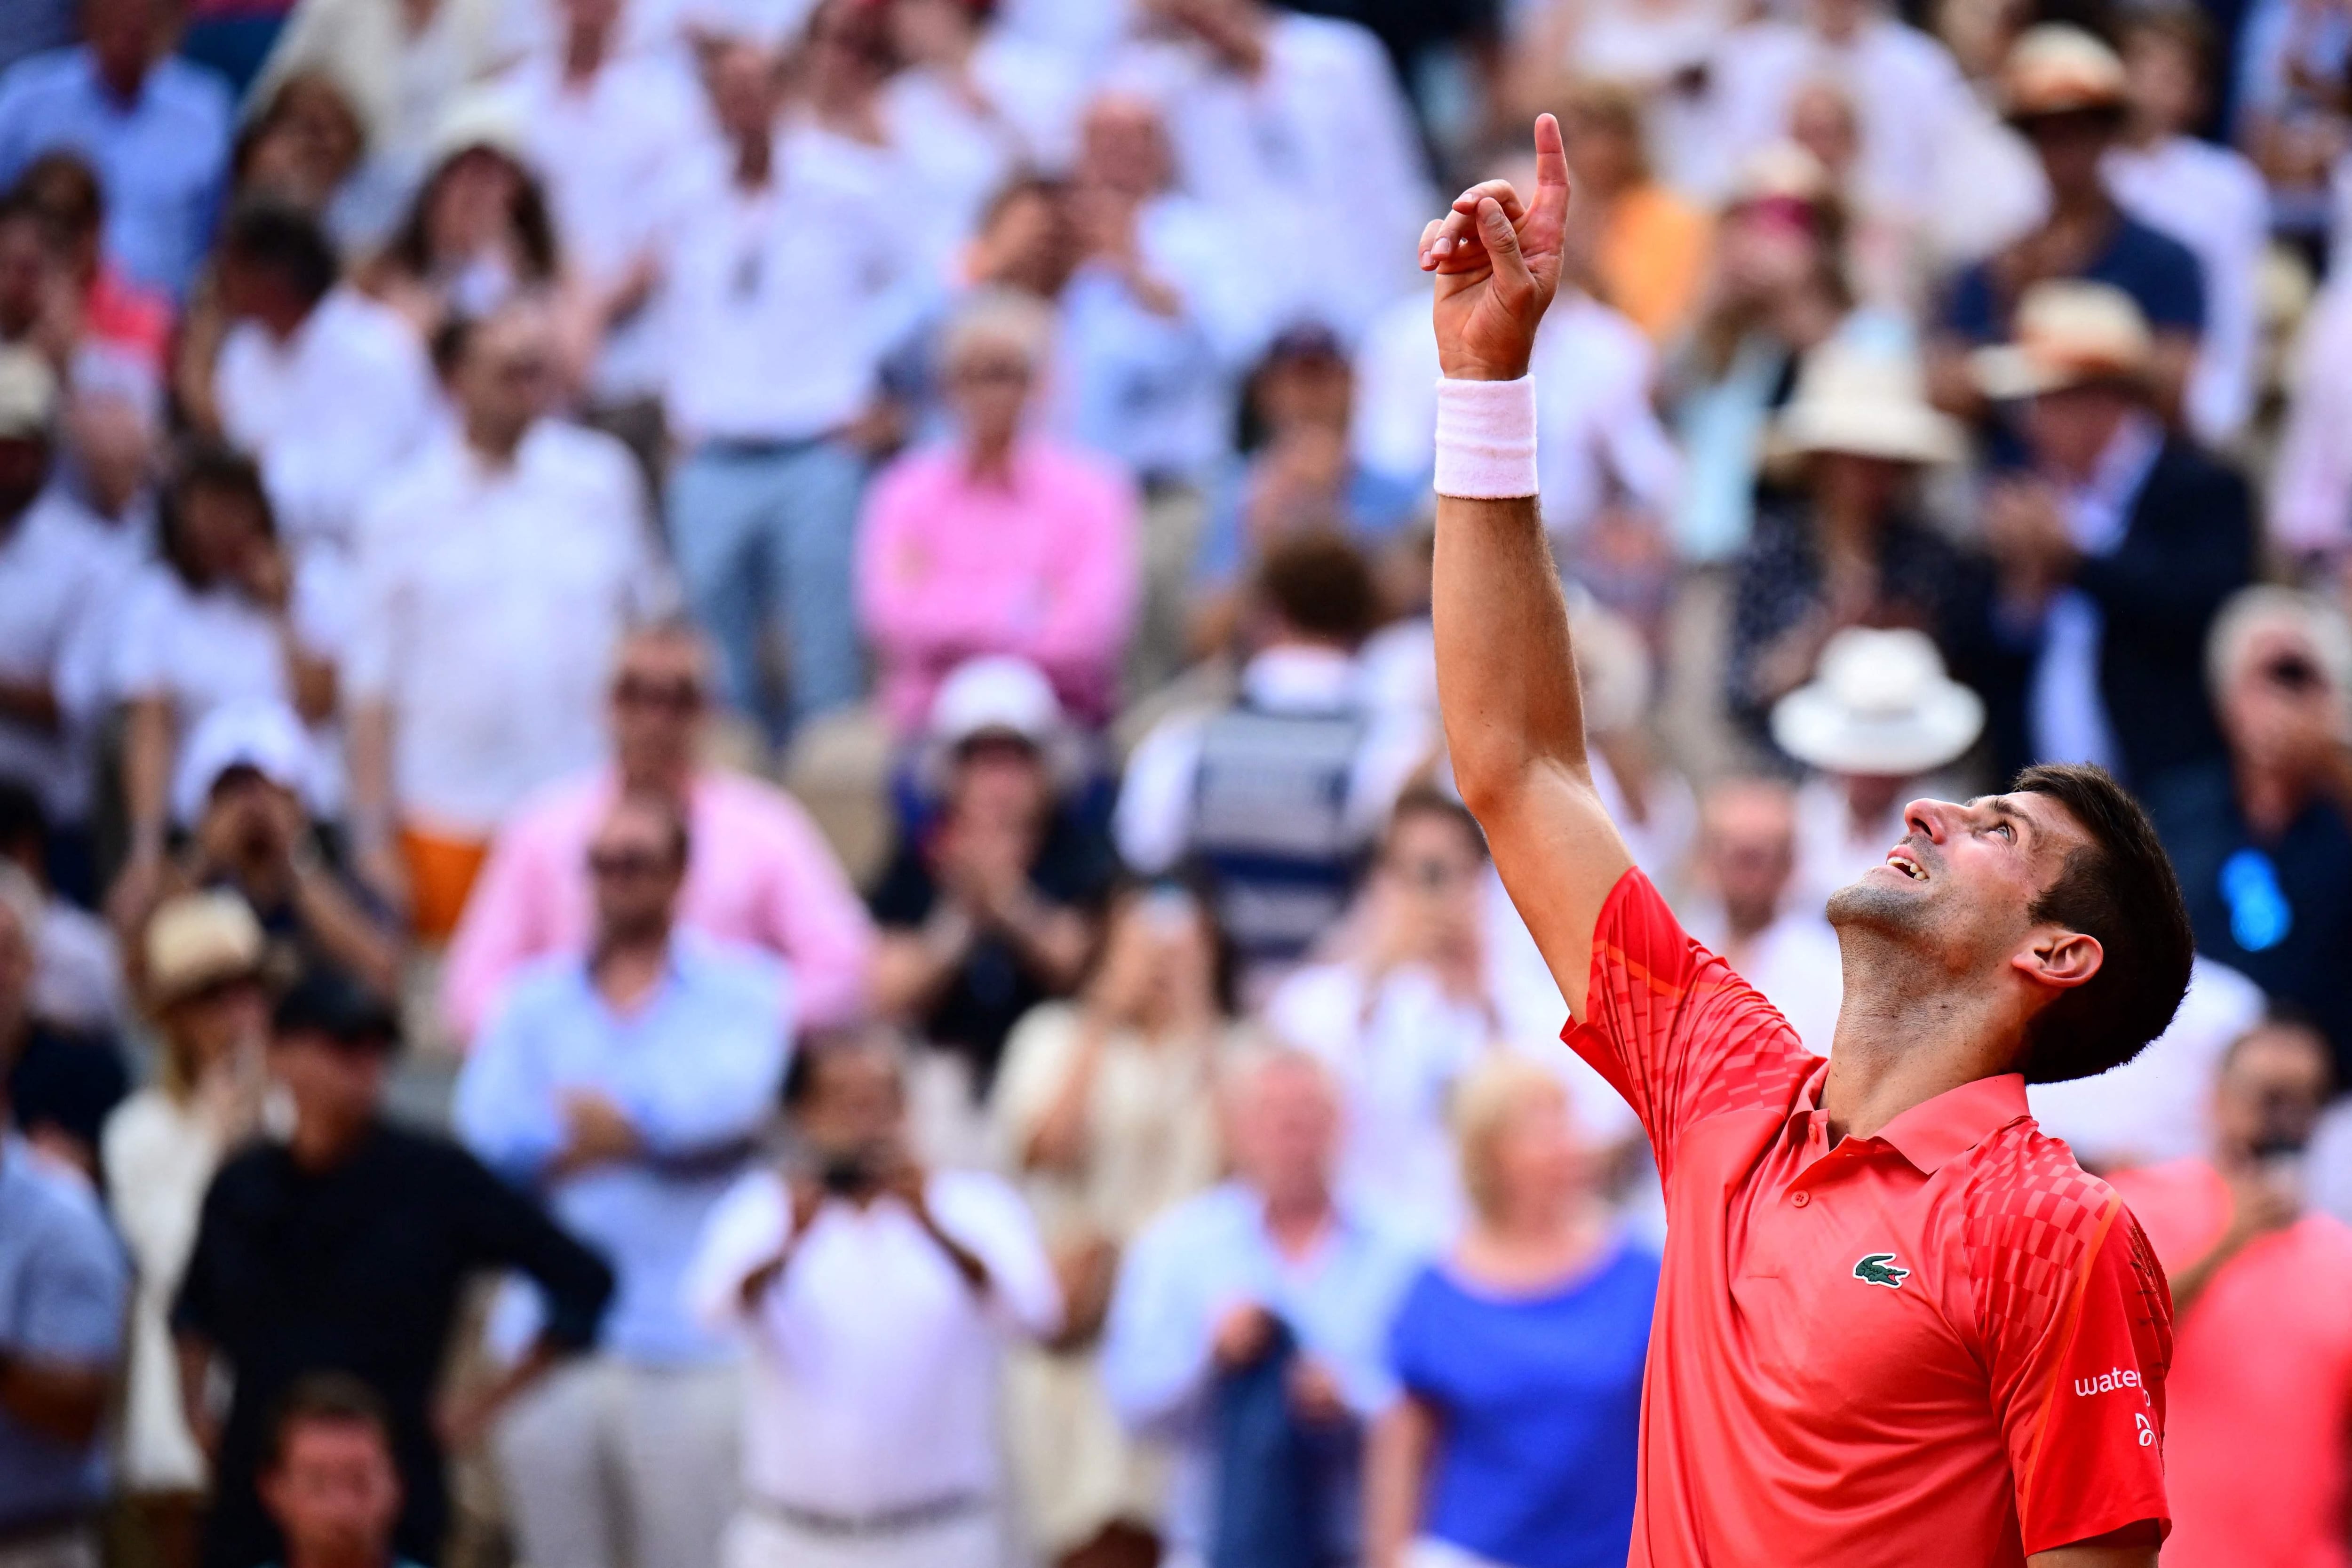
(1518, 1355)
(203, 990)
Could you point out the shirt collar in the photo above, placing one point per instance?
(1297, 678)
(1936, 1132)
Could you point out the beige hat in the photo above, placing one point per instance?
(1869, 400)
(2054, 68)
(28, 394)
(1879, 704)
(198, 940)
(1779, 170)
(2070, 331)
(479, 117)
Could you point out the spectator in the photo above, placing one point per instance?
(764, 501)
(1879, 717)
(878, 1297)
(970, 105)
(63, 1288)
(1520, 1357)
(1778, 289)
(1295, 127)
(1106, 1107)
(36, 298)
(2068, 94)
(78, 972)
(609, 132)
(329, 1479)
(1280, 793)
(240, 795)
(764, 877)
(1851, 550)
(204, 990)
(1651, 247)
(323, 386)
(226, 616)
(344, 1248)
(1246, 1332)
(1883, 249)
(1398, 1023)
(131, 320)
(1783, 948)
(305, 146)
(402, 68)
(1298, 476)
(59, 571)
(2289, 111)
(497, 572)
(625, 1087)
(155, 128)
(478, 236)
(2112, 557)
(2206, 196)
(2310, 512)
(2264, 837)
(2259, 1400)
(1658, 52)
(61, 1085)
(1002, 543)
(988, 908)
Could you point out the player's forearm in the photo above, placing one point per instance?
(1506, 675)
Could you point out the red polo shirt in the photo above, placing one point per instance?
(1942, 1344)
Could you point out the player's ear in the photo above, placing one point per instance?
(2059, 958)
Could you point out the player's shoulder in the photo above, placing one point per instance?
(2032, 1219)
(2021, 1172)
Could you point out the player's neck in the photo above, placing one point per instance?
(1907, 1034)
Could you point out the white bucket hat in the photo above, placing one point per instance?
(1868, 400)
(1879, 704)
(258, 732)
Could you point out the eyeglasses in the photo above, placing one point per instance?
(617, 863)
(992, 372)
(1427, 874)
(679, 697)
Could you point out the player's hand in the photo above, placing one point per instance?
(1497, 262)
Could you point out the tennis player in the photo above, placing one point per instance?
(1898, 1324)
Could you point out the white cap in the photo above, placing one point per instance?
(258, 732)
(1879, 704)
(998, 694)
(28, 393)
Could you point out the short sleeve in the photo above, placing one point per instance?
(1673, 1029)
(747, 1228)
(1411, 1343)
(2078, 1325)
(69, 1306)
(142, 665)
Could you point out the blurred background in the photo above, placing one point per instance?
(723, 835)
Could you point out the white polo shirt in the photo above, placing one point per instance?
(327, 412)
(872, 1380)
(488, 603)
(62, 576)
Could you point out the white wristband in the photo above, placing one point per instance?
(1486, 438)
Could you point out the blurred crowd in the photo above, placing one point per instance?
(723, 833)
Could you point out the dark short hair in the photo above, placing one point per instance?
(285, 241)
(64, 189)
(23, 820)
(1428, 800)
(327, 1001)
(830, 1044)
(1321, 586)
(2119, 887)
(222, 470)
(331, 1398)
(2282, 1018)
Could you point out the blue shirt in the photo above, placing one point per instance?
(163, 158)
(2161, 275)
(64, 1285)
(1207, 1256)
(1540, 1401)
(696, 1068)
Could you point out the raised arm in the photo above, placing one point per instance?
(1506, 675)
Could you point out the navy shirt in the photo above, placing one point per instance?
(2160, 274)
(2279, 913)
(1539, 1400)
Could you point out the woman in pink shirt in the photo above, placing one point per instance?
(999, 541)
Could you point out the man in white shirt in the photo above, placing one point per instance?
(1296, 126)
(610, 133)
(326, 389)
(784, 293)
(2207, 196)
(878, 1300)
(60, 570)
(1784, 946)
(496, 574)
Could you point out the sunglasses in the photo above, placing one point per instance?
(617, 863)
(671, 696)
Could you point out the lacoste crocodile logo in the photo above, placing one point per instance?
(1879, 1268)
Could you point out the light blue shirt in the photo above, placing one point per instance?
(696, 1068)
(1207, 1256)
(163, 158)
(64, 1285)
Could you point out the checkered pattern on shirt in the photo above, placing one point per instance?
(1670, 1026)
(2031, 1217)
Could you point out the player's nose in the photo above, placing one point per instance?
(1931, 819)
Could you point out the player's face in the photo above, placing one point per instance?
(1961, 880)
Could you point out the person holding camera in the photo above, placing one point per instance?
(878, 1300)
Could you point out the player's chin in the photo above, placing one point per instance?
(1880, 896)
